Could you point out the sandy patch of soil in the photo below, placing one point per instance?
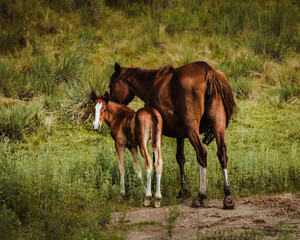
(269, 216)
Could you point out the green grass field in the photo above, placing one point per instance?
(59, 179)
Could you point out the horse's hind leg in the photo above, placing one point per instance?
(218, 117)
(228, 202)
(194, 137)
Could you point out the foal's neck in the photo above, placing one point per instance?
(116, 113)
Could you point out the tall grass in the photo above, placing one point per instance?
(277, 31)
(18, 120)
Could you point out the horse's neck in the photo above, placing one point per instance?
(141, 83)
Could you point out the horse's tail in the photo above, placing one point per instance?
(217, 85)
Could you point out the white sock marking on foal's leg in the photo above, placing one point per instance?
(148, 190)
(122, 183)
(96, 122)
(225, 177)
(158, 193)
(202, 188)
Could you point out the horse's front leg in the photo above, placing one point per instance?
(120, 148)
(184, 191)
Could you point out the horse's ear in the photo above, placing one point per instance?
(94, 96)
(106, 97)
(166, 70)
(117, 67)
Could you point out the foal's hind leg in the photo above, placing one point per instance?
(158, 163)
(148, 166)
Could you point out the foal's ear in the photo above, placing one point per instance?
(106, 97)
(166, 70)
(94, 96)
(117, 67)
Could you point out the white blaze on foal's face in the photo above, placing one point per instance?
(97, 123)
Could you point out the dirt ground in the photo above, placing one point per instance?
(269, 217)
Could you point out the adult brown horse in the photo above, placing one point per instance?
(191, 99)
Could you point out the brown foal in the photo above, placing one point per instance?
(130, 129)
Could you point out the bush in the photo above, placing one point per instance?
(8, 223)
(276, 32)
(18, 120)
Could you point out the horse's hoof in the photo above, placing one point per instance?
(198, 201)
(183, 193)
(179, 195)
(157, 203)
(228, 203)
(147, 202)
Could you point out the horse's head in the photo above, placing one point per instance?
(118, 88)
(99, 108)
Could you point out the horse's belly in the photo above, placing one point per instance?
(173, 127)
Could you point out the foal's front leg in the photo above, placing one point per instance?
(121, 154)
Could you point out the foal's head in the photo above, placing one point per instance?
(119, 90)
(99, 108)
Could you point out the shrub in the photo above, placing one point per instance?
(18, 120)
(276, 32)
(8, 223)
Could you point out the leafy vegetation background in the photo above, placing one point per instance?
(59, 179)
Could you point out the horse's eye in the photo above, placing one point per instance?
(104, 110)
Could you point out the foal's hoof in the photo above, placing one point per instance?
(147, 202)
(122, 192)
(157, 203)
(199, 201)
(228, 203)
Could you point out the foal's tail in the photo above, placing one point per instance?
(156, 133)
(217, 84)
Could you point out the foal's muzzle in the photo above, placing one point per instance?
(96, 126)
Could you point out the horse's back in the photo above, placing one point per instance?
(192, 73)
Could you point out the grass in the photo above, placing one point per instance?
(58, 179)
(174, 213)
